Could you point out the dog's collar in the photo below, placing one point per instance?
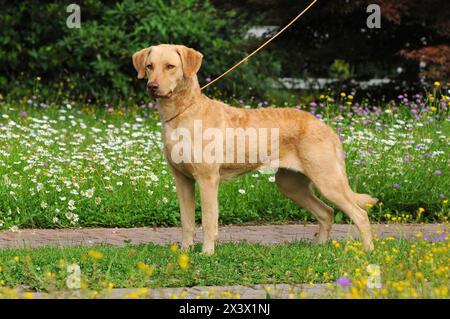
(178, 114)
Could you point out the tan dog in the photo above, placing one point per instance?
(308, 151)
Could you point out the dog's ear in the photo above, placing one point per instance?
(139, 61)
(191, 60)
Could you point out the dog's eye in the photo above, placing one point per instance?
(170, 66)
(149, 67)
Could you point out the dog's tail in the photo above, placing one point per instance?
(364, 201)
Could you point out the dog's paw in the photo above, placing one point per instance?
(208, 250)
(187, 246)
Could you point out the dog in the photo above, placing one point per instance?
(308, 151)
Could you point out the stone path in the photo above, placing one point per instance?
(278, 291)
(270, 234)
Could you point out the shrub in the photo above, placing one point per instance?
(97, 56)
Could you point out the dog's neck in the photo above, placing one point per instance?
(182, 98)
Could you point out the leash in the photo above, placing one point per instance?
(178, 114)
(260, 47)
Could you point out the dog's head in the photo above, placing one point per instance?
(166, 67)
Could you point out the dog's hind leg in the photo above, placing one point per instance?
(327, 176)
(297, 187)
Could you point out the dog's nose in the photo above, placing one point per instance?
(152, 86)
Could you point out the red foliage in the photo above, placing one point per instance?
(436, 57)
(393, 10)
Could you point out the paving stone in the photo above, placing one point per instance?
(266, 234)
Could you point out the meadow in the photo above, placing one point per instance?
(80, 164)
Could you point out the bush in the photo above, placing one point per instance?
(97, 56)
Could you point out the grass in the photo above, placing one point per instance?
(408, 268)
(66, 164)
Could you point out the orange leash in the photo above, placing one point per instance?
(260, 47)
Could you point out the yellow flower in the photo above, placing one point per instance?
(28, 295)
(421, 210)
(16, 259)
(445, 202)
(433, 109)
(183, 261)
(38, 78)
(419, 275)
(437, 83)
(343, 94)
(95, 254)
(146, 268)
(335, 243)
(350, 96)
(174, 248)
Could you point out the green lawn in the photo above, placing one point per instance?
(407, 268)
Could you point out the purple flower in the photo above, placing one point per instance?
(298, 107)
(23, 114)
(208, 79)
(437, 172)
(319, 116)
(341, 138)
(313, 104)
(110, 110)
(344, 282)
(435, 238)
(396, 185)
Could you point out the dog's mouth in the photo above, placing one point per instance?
(159, 95)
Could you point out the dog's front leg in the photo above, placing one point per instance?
(186, 197)
(209, 186)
